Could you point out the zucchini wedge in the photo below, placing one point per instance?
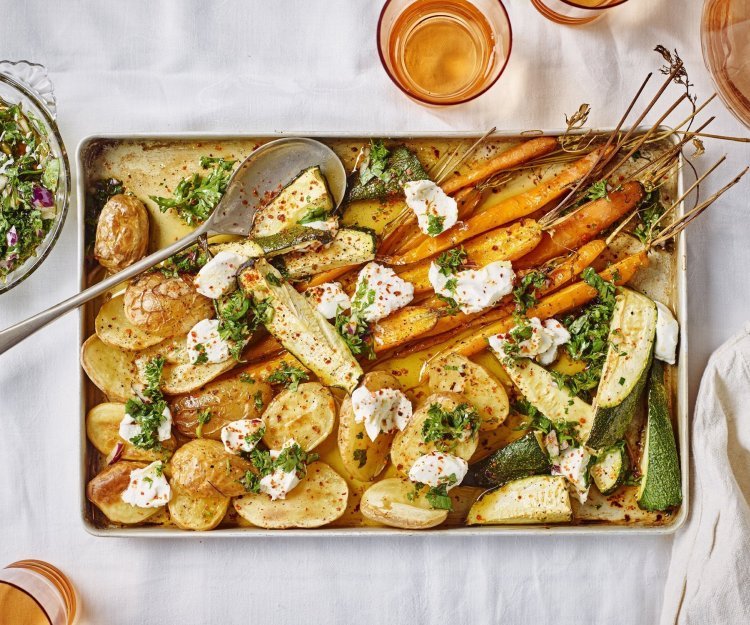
(535, 499)
(286, 241)
(305, 199)
(521, 458)
(539, 387)
(300, 328)
(632, 333)
(610, 469)
(350, 246)
(402, 166)
(660, 487)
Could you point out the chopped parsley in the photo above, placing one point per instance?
(288, 375)
(189, 261)
(360, 455)
(258, 399)
(252, 439)
(449, 428)
(202, 356)
(204, 416)
(319, 213)
(353, 328)
(239, 316)
(195, 198)
(374, 166)
(450, 263)
(273, 279)
(649, 211)
(147, 408)
(246, 378)
(438, 495)
(566, 430)
(525, 293)
(291, 459)
(598, 190)
(435, 225)
(519, 333)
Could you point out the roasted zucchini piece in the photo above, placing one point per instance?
(632, 333)
(521, 458)
(610, 468)
(402, 165)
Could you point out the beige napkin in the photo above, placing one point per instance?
(709, 576)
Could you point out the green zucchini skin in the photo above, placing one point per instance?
(661, 487)
(521, 458)
(402, 166)
(604, 482)
(631, 350)
(291, 238)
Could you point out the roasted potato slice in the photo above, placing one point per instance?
(180, 378)
(166, 306)
(455, 373)
(409, 444)
(121, 233)
(190, 512)
(227, 400)
(307, 415)
(112, 370)
(203, 467)
(363, 458)
(102, 429)
(114, 328)
(320, 498)
(388, 502)
(106, 489)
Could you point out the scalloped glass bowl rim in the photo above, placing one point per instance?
(62, 195)
(574, 4)
(426, 101)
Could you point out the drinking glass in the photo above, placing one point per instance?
(442, 52)
(36, 593)
(575, 12)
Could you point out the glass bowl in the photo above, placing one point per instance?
(26, 83)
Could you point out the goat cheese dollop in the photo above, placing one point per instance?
(329, 298)
(437, 468)
(474, 289)
(278, 483)
(129, 429)
(379, 292)
(148, 487)
(204, 343)
(572, 463)
(667, 334)
(541, 345)
(383, 410)
(242, 435)
(219, 275)
(436, 212)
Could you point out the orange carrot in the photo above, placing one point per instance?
(516, 155)
(504, 212)
(581, 226)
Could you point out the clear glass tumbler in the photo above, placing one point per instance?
(575, 12)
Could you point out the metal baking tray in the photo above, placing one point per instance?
(90, 148)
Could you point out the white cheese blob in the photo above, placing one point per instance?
(383, 410)
(129, 429)
(387, 291)
(278, 483)
(329, 298)
(329, 225)
(204, 338)
(551, 444)
(572, 463)
(437, 468)
(242, 435)
(541, 345)
(148, 487)
(667, 334)
(219, 275)
(436, 212)
(475, 289)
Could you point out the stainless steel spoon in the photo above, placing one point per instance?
(272, 163)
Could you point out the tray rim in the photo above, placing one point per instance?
(600, 529)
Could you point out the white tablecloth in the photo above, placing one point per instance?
(296, 65)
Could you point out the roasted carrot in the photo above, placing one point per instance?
(557, 303)
(402, 326)
(583, 225)
(504, 212)
(516, 155)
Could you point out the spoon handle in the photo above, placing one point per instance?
(17, 333)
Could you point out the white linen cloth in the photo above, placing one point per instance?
(710, 571)
(298, 65)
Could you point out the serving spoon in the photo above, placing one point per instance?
(259, 174)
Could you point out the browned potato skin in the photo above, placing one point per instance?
(204, 468)
(409, 445)
(352, 435)
(108, 486)
(165, 306)
(121, 233)
(227, 400)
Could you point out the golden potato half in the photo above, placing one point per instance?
(106, 489)
(190, 512)
(396, 503)
(203, 467)
(306, 414)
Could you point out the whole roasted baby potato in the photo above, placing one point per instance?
(121, 233)
(203, 467)
(106, 489)
(166, 306)
(225, 400)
